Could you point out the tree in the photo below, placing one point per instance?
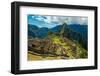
(50, 33)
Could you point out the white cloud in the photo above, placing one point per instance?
(39, 18)
(32, 16)
(48, 19)
(77, 20)
(62, 19)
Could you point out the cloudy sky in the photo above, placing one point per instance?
(52, 21)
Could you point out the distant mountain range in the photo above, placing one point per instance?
(34, 31)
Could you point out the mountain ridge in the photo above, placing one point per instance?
(34, 31)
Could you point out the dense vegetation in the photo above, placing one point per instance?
(60, 41)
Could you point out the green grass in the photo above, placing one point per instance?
(80, 53)
(32, 57)
(59, 41)
(68, 52)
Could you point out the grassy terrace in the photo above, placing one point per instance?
(80, 52)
